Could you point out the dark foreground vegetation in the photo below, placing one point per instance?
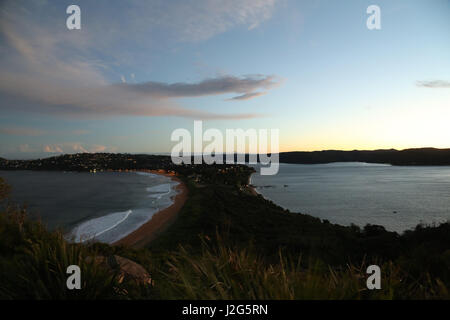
(228, 243)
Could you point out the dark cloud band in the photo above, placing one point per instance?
(245, 86)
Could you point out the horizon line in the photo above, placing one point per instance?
(235, 153)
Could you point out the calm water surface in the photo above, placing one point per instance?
(398, 198)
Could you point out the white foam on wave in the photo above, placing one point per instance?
(141, 173)
(96, 227)
(159, 190)
(112, 227)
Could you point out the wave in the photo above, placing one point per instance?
(141, 173)
(96, 227)
(114, 226)
(159, 190)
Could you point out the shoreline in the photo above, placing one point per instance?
(251, 187)
(160, 220)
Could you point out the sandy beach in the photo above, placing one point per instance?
(160, 220)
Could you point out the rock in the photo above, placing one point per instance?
(127, 270)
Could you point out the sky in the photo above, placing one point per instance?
(138, 70)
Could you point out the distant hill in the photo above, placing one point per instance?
(116, 161)
(407, 157)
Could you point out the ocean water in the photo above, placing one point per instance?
(397, 198)
(104, 206)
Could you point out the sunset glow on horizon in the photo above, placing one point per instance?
(135, 72)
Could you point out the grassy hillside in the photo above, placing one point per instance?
(243, 220)
(229, 244)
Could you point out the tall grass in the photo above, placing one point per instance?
(220, 272)
(33, 264)
(35, 268)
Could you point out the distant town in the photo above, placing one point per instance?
(90, 162)
(228, 174)
(124, 161)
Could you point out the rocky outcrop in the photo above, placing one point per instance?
(126, 269)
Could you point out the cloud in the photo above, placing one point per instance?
(25, 148)
(40, 72)
(33, 132)
(80, 132)
(76, 147)
(433, 84)
(65, 147)
(98, 148)
(248, 96)
(199, 20)
(214, 86)
(52, 149)
(32, 95)
(19, 131)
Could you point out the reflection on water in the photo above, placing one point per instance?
(398, 198)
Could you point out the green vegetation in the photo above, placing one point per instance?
(33, 262)
(221, 272)
(230, 244)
